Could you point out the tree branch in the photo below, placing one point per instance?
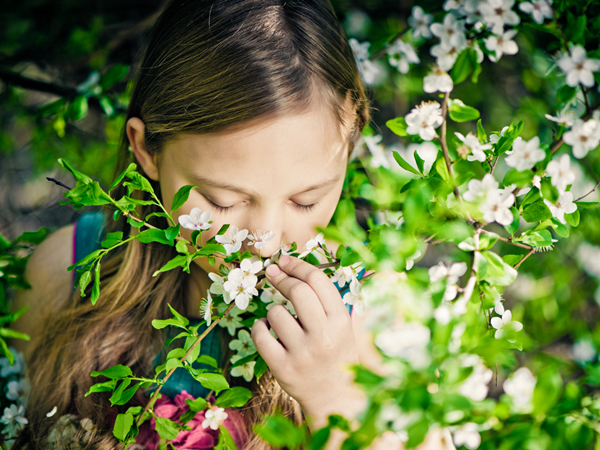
(445, 147)
(584, 196)
(531, 252)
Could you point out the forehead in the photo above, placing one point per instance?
(282, 153)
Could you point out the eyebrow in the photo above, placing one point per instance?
(231, 187)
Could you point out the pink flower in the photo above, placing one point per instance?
(197, 437)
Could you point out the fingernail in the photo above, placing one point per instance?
(273, 270)
(283, 260)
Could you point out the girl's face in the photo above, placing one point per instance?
(282, 174)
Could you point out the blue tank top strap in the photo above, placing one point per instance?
(89, 232)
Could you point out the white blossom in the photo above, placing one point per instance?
(259, 239)
(407, 341)
(196, 220)
(474, 147)
(369, 71)
(564, 205)
(249, 267)
(504, 324)
(479, 189)
(18, 367)
(206, 308)
(241, 287)
(419, 22)
(217, 286)
(496, 207)
(17, 390)
(380, 156)
(450, 275)
(442, 314)
(232, 239)
(502, 44)
(231, 321)
(313, 244)
(451, 31)
(520, 388)
(273, 297)
(539, 9)
(583, 137)
(566, 118)
(345, 274)
(467, 435)
(14, 420)
(424, 119)
(400, 54)
(243, 345)
(355, 298)
(578, 67)
(454, 5)
(214, 417)
(493, 138)
(475, 386)
(560, 173)
(525, 154)
(437, 80)
(410, 261)
(498, 13)
(584, 351)
(445, 54)
(244, 370)
(588, 256)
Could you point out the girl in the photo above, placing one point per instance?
(258, 103)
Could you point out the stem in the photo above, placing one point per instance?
(584, 196)
(183, 358)
(494, 165)
(158, 202)
(445, 147)
(55, 181)
(509, 241)
(516, 266)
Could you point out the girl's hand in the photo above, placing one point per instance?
(309, 357)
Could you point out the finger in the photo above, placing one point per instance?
(320, 283)
(304, 299)
(268, 347)
(287, 329)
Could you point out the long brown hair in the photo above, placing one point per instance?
(207, 65)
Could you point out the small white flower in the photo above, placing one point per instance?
(423, 119)
(502, 44)
(401, 54)
(525, 154)
(437, 80)
(474, 147)
(479, 189)
(497, 13)
(259, 239)
(566, 118)
(577, 67)
(217, 287)
(467, 435)
(505, 323)
(380, 156)
(52, 412)
(249, 267)
(493, 138)
(407, 341)
(419, 22)
(196, 220)
(232, 239)
(313, 244)
(13, 420)
(442, 314)
(244, 370)
(539, 9)
(243, 345)
(355, 298)
(410, 261)
(17, 390)
(584, 351)
(496, 207)
(231, 321)
(537, 181)
(214, 417)
(583, 137)
(206, 308)
(6, 370)
(450, 274)
(273, 297)
(564, 205)
(241, 287)
(346, 274)
(520, 388)
(451, 31)
(475, 386)
(369, 71)
(561, 173)
(445, 54)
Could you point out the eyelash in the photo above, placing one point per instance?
(225, 209)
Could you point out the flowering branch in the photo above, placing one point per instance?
(445, 147)
(585, 195)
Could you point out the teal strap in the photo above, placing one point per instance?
(89, 233)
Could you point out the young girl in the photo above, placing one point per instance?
(258, 103)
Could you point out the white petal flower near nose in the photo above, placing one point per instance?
(259, 239)
(241, 287)
(313, 244)
(355, 297)
(232, 239)
(196, 220)
(250, 268)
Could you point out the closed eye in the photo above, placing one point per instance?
(225, 209)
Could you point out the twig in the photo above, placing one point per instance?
(382, 52)
(584, 196)
(59, 183)
(183, 358)
(509, 241)
(445, 147)
(516, 266)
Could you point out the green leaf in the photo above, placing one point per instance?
(481, 135)
(153, 235)
(462, 66)
(172, 232)
(9, 318)
(520, 179)
(112, 239)
(130, 168)
(442, 169)
(160, 324)
(459, 112)
(511, 260)
(96, 286)
(234, 397)
(113, 75)
(114, 372)
(536, 212)
(33, 237)
(106, 106)
(78, 109)
(548, 388)
(166, 428)
(565, 94)
(77, 175)
(214, 381)
(13, 334)
(541, 238)
(497, 271)
(549, 192)
(123, 424)
(398, 126)
(178, 261)
(573, 218)
(182, 320)
(105, 386)
(196, 405)
(586, 205)
(208, 360)
(181, 196)
(279, 431)
(260, 367)
(514, 226)
(404, 164)
(115, 397)
(420, 163)
(560, 228)
(226, 442)
(319, 439)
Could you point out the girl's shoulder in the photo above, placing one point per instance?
(51, 284)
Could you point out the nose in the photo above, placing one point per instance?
(259, 227)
